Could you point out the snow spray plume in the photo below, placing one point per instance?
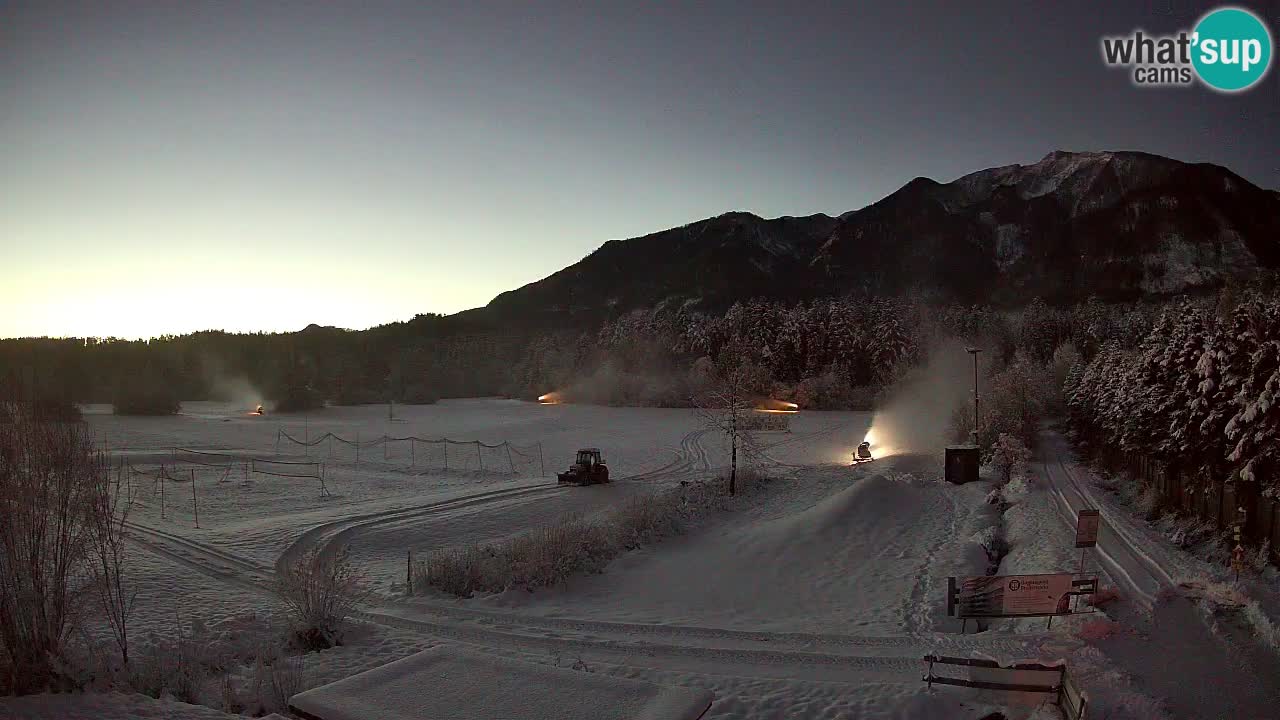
(916, 416)
(233, 388)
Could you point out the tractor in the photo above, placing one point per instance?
(588, 469)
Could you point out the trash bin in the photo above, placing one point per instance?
(962, 463)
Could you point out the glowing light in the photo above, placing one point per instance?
(879, 447)
(777, 406)
(549, 399)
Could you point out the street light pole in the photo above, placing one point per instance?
(974, 352)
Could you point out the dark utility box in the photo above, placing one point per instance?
(962, 463)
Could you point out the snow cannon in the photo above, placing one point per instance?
(588, 469)
(863, 453)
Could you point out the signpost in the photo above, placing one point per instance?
(1087, 523)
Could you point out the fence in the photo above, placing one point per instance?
(304, 469)
(160, 479)
(433, 453)
(1211, 498)
(1023, 677)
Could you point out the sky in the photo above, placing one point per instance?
(168, 167)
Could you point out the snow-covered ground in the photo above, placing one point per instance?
(1164, 646)
(816, 599)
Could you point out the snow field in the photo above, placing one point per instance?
(816, 601)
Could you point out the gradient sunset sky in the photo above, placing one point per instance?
(175, 166)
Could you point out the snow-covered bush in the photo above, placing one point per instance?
(1103, 596)
(550, 555)
(1098, 630)
(1262, 626)
(1009, 456)
(177, 666)
(994, 544)
(320, 590)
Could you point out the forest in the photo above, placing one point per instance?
(1197, 376)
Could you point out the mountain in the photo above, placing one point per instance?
(1119, 225)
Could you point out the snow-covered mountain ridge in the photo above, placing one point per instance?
(1115, 224)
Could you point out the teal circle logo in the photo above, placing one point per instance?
(1231, 49)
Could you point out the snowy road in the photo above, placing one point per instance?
(1175, 652)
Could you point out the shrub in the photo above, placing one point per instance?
(1098, 630)
(320, 590)
(1104, 596)
(176, 667)
(51, 483)
(549, 556)
(1009, 455)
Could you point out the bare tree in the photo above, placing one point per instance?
(731, 391)
(108, 517)
(51, 479)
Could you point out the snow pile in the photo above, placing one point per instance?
(449, 683)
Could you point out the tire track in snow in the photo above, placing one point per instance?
(326, 535)
(1141, 576)
(916, 615)
(709, 651)
(437, 619)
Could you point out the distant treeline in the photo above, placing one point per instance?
(831, 353)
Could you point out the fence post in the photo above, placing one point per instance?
(385, 452)
(195, 506)
(446, 454)
(479, 456)
(357, 448)
(413, 453)
(541, 463)
(509, 460)
(408, 572)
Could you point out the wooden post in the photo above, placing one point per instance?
(357, 448)
(408, 572)
(541, 463)
(509, 461)
(160, 479)
(413, 454)
(195, 506)
(446, 454)
(479, 456)
(385, 440)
